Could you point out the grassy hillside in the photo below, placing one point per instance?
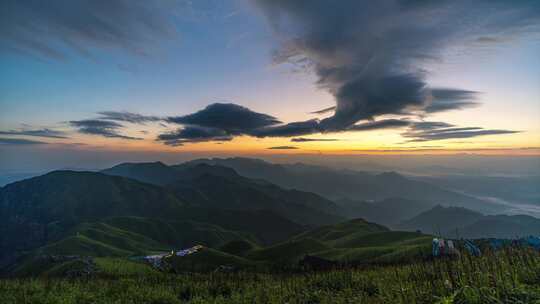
(208, 260)
(127, 236)
(288, 252)
(505, 277)
(42, 211)
(333, 232)
(238, 247)
(356, 241)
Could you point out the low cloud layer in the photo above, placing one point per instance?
(429, 131)
(193, 134)
(36, 132)
(128, 117)
(99, 127)
(380, 124)
(283, 148)
(303, 139)
(20, 141)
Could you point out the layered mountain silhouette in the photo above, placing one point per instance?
(458, 222)
(251, 209)
(219, 187)
(347, 184)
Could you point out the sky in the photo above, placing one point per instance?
(87, 81)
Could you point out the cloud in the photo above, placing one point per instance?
(50, 29)
(229, 117)
(324, 111)
(219, 121)
(451, 99)
(283, 148)
(192, 134)
(103, 128)
(38, 133)
(459, 134)
(288, 130)
(380, 124)
(427, 125)
(374, 56)
(128, 117)
(303, 139)
(428, 131)
(20, 141)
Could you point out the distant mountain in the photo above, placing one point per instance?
(339, 184)
(388, 212)
(502, 226)
(460, 222)
(8, 178)
(441, 220)
(156, 173)
(521, 189)
(215, 186)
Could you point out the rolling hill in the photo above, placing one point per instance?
(41, 211)
(356, 241)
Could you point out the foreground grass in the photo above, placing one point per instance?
(510, 276)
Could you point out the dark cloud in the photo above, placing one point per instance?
(218, 122)
(287, 130)
(193, 134)
(20, 141)
(380, 124)
(48, 28)
(459, 134)
(104, 128)
(428, 131)
(128, 117)
(283, 148)
(427, 125)
(324, 111)
(38, 133)
(229, 117)
(303, 139)
(451, 99)
(372, 55)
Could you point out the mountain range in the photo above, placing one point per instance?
(348, 184)
(456, 222)
(245, 206)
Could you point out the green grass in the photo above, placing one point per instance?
(288, 252)
(334, 232)
(385, 238)
(238, 247)
(208, 260)
(120, 267)
(83, 245)
(506, 277)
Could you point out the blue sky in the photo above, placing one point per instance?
(247, 53)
